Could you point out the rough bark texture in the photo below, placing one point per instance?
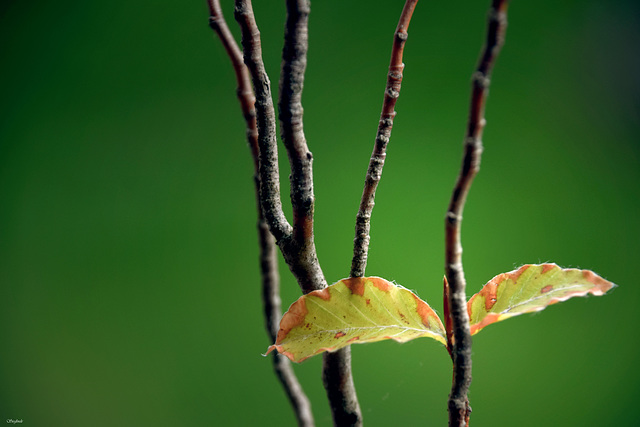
(459, 409)
(300, 244)
(337, 377)
(379, 154)
(272, 312)
(296, 243)
(338, 382)
(270, 200)
(268, 255)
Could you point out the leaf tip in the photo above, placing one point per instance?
(602, 286)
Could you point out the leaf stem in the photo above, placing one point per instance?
(268, 256)
(459, 409)
(376, 163)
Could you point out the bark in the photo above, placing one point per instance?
(268, 255)
(379, 154)
(459, 408)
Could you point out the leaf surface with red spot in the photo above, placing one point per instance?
(528, 289)
(353, 311)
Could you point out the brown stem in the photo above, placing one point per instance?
(336, 373)
(269, 174)
(268, 255)
(295, 244)
(294, 63)
(338, 383)
(448, 324)
(305, 266)
(271, 305)
(300, 257)
(337, 376)
(459, 409)
(376, 163)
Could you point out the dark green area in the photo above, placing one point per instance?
(128, 260)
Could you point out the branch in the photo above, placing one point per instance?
(270, 201)
(294, 64)
(336, 371)
(338, 383)
(376, 163)
(302, 258)
(273, 313)
(245, 92)
(268, 256)
(459, 409)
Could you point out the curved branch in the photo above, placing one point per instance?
(268, 257)
(272, 311)
(294, 64)
(270, 200)
(245, 92)
(336, 371)
(376, 163)
(459, 409)
(300, 251)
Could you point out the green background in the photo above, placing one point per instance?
(129, 280)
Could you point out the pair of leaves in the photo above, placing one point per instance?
(370, 309)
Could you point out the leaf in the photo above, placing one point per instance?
(353, 311)
(530, 288)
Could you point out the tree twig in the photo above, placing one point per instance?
(336, 372)
(304, 265)
(459, 409)
(338, 383)
(376, 163)
(295, 244)
(300, 258)
(269, 174)
(294, 64)
(268, 256)
(271, 304)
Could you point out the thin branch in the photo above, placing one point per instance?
(270, 200)
(271, 304)
(245, 92)
(294, 64)
(338, 383)
(336, 371)
(376, 163)
(302, 260)
(459, 409)
(268, 256)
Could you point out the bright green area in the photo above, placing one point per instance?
(128, 260)
(334, 318)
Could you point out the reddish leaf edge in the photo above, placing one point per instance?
(602, 286)
(297, 311)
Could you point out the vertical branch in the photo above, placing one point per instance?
(294, 64)
(268, 170)
(336, 371)
(268, 256)
(341, 392)
(306, 267)
(459, 409)
(295, 243)
(299, 254)
(271, 304)
(376, 163)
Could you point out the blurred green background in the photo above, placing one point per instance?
(128, 256)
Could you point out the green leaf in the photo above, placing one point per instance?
(530, 288)
(352, 311)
